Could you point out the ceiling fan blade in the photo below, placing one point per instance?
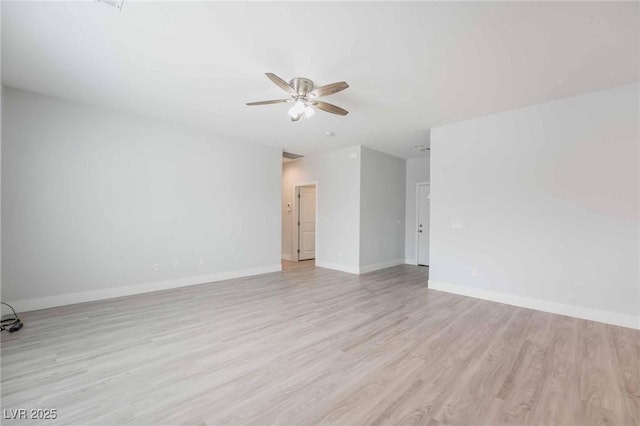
(330, 108)
(280, 83)
(329, 89)
(276, 101)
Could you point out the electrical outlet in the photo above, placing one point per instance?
(475, 273)
(156, 267)
(201, 261)
(178, 265)
(457, 224)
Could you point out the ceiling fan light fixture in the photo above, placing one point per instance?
(297, 109)
(308, 111)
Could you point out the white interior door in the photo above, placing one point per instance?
(423, 224)
(307, 222)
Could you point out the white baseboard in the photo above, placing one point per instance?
(109, 293)
(359, 269)
(411, 261)
(382, 265)
(284, 256)
(591, 314)
(337, 267)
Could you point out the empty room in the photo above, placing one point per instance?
(314, 213)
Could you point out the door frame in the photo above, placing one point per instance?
(295, 255)
(417, 224)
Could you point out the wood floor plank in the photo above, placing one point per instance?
(626, 347)
(562, 376)
(311, 346)
(490, 376)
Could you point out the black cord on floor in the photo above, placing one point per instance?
(10, 324)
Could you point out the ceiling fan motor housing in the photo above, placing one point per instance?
(301, 85)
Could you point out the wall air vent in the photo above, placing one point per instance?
(291, 156)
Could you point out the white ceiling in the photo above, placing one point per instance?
(411, 66)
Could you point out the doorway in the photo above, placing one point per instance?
(423, 196)
(305, 226)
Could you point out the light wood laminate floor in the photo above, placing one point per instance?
(312, 346)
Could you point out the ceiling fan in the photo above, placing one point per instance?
(305, 96)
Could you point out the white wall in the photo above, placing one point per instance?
(1, 102)
(549, 200)
(338, 208)
(382, 210)
(92, 199)
(417, 172)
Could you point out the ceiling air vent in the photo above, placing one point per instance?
(291, 156)
(113, 3)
